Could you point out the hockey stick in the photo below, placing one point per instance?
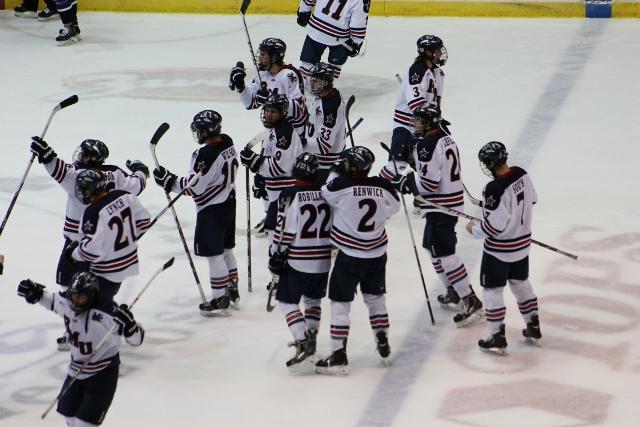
(243, 11)
(171, 203)
(350, 102)
(1, 264)
(355, 125)
(63, 104)
(106, 336)
(413, 240)
(275, 279)
(473, 218)
(162, 129)
(472, 199)
(258, 138)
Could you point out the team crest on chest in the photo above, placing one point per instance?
(200, 166)
(330, 120)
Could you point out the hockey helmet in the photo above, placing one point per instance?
(82, 291)
(492, 155)
(320, 77)
(275, 48)
(91, 153)
(274, 109)
(358, 160)
(429, 45)
(205, 124)
(306, 167)
(426, 118)
(90, 183)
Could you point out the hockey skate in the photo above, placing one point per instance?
(450, 300)
(22, 12)
(47, 14)
(336, 364)
(259, 230)
(305, 358)
(383, 348)
(218, 307)
(496, 343)
(68, 35)
(311, 336)
(532, 333)
(63, 343)
(470, 310)
(234, 295)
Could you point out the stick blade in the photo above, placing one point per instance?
(385, 147)
(245, 6)
(69, 101)
(162, 129)
(168, 263)
(350, 102)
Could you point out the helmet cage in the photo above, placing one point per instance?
(90, 153)
(82, 291)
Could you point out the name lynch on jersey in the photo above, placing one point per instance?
(115, 207)
(368, 192)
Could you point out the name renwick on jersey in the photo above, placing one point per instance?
(368, 191)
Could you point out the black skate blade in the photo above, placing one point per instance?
(450, 306)
(469, 320)
(496, 351)
(338, 371)
(215, 313)
(72, 40)
(304, 367)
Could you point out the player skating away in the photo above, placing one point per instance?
(360, 205)
(215, 197)
(438, 179)
(338, 25)
(301, 259)
(68, 10)
(90, 154)
(278, 154)
(327, 119)
(111, 225)
(506, 229)
(88, 317)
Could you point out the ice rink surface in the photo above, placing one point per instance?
(563, 95)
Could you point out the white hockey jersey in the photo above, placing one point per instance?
(306, 229)
(281, 147)
(86, 330)
(438, 172)
(218, 163)
(420, 85)
(326, 128)
(287, 82)
(110, 228)
(360, 207)
(334, 21)
(65, 175)
(507, 214)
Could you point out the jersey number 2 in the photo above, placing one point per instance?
(371, 207)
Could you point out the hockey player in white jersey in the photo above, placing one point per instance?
(422, 84)
(88, 318)
(506, 230)
(327, 119)
(360, 205)
(111, 225)
(214, 194)
(90, 154)
(339, 25)
(438, 179)
(275, 77)
(301, 259)
(278, 154)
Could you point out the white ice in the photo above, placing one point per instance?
(562, 94)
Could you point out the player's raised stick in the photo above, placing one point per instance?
(162, 129)
(106, 336)
(355, 125)
(350, 102)
(243, 11)
(413, 240)
(63, 104)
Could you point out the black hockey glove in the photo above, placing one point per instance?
(250, 159)
(353, 48)
(236, 78)
(402, 183)
(136, 165)
(68, 251)
(303, 18)
(261, 96)
(164, 178)
(259, 187)
(30, 290)
(127, 325)
(277, 262)
(41, 149)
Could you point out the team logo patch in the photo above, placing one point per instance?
(423, 154)
(415, 78)
(490, 201)
(200, 166)
(329, 120)
(87, 227)
(282, 142)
